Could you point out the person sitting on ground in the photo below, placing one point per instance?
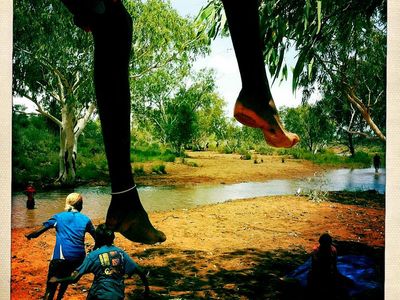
(110, 266)
(324, 279)
(69, 250)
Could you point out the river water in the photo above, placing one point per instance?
(96, 199)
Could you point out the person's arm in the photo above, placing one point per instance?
(334, 254)
(84, 268)
(143, 277)
(75, 276)
(90, 228)
(131, 268)
(36, 233)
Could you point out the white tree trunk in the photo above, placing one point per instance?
(69, 135)
(67, 156)
(365, 114)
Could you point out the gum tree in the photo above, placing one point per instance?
(52, 67)
(340, 45)
(53, 64)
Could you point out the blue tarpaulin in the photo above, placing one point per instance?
(361, 269)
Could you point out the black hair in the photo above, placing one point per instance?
(103, 236)
(325, 240)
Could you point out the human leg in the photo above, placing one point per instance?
(64, 269)
(50, 286)
(112, 34)
(254, 106)
(50, 291)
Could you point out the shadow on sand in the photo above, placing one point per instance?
(252, 274)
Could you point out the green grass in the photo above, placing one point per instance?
(191, 164)
(92, 167)
(265, 150)
(152, 152)
(159, 169)
(139, 170)
(361, 159)
(244, 154)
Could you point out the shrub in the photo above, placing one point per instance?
(159, 169)
(265, 150)
(244, 154)
(139, 170)
(151, 152)
(88, 172)
(190, 163)
(168, 156)
(226, 149)
(362, 157)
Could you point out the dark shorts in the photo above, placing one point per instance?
(30, 203)
(63, 267)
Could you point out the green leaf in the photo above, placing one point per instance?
(298, 68)
(319, 4)
(279, 64)
(284, 73)
(205, 13)
(306, 14)
(223, 20)
(310, 65)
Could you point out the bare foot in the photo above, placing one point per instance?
(127, 216)
(259, 114)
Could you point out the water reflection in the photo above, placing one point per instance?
(96, 199)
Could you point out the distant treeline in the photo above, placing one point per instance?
(35, 150)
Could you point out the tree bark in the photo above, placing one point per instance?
(350, 143)
(365, 113)
(69, 134)
(67, 143)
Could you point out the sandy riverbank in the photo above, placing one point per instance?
(234, 250)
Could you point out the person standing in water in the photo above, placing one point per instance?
(377, 162)
(30, 192)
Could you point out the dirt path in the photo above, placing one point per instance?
(234, 250)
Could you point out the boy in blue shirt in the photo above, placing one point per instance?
(69, 251)
(110, 266)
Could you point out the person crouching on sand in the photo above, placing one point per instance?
(324, 279)
(69, 251)
(110, 266)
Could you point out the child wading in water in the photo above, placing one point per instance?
(110, 266)
(111, 26)
(69, 251)
(30, 193)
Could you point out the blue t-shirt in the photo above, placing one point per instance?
(109, 264)
(71, 227)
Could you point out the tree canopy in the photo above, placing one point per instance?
(340, 45)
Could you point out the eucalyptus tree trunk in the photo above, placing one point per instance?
(364, 110)
(70, 131)
(67, 155)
